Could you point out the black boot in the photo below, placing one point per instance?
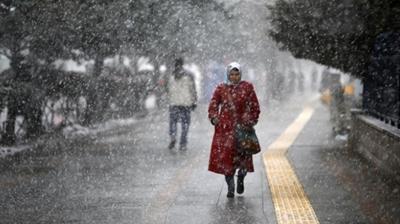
(240, 181)
(231, 186)
(183, 147)
(172, 144)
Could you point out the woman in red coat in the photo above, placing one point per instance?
(233, 103)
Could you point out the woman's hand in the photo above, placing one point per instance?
(214, 121)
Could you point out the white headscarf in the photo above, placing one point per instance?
(229, 69)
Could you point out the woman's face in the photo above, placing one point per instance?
(234, 76)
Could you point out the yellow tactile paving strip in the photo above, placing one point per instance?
(290, 201)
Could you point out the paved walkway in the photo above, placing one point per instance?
(128, 175)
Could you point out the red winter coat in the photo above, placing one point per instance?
(223, 157)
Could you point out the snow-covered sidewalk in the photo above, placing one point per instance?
(72, 132)
(76, 130)
(11, 150)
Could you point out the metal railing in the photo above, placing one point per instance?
(381, 95)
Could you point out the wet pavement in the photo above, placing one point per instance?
(127, 175)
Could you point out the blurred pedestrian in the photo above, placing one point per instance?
(300, 82)
(337, 105)
(233, 103)
(314, 77)
(182, 97)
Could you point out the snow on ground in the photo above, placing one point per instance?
(8, 151)
(111, 124)
(76, 130)
(72, 132)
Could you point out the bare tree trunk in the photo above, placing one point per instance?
(34, 120)
(92, 95)
(9, 135)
